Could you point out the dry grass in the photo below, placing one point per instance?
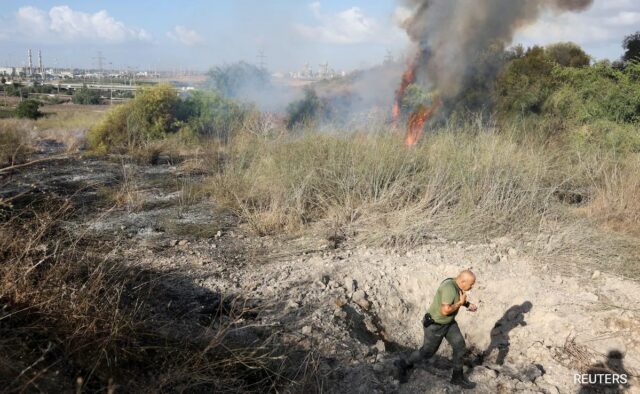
(73, 317)
(126, 194)
(375, 186)
(470, 182)
(15, 141)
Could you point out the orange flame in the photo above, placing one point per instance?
(417, 120)
(408, 77)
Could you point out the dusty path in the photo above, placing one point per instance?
(359, 308)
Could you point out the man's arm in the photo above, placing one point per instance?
(449, 309)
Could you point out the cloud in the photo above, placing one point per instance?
(350, 26)
(186, 36)
(62, 23)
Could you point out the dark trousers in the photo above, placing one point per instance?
(433, 335)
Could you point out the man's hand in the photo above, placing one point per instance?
(472, 308)
(463, 298)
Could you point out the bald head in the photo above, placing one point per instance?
(465, 280)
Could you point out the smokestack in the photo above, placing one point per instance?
(451, 33)
(30, 62)
(40, 62)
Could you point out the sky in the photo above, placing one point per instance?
(198, 34)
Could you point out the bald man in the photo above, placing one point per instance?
(439, 322)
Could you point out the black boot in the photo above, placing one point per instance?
(402, 369)
(459, 379)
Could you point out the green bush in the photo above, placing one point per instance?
(154, 113)
(86, 96)
(158, 112)
(568, 54)
(232, 80)
(558, 84)
(305, 111)
(210, 114)
(28, 109)
(526, 83)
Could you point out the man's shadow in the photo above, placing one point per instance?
(511, 319)
(607, 377)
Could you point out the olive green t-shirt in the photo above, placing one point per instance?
(447, 294)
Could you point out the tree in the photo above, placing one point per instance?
(305, 110)
(28, 109)
(631, 44)
(526, 83)
(568, 54)
(238, 80)
(86, 96)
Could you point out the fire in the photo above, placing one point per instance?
(417, 120)
(408, 77)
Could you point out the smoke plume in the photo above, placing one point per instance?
(452, 33)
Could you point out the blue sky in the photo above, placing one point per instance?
(197, 33)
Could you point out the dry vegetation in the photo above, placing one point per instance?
(464, 182)
(15, 141)
(75, 317)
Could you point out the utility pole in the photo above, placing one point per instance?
(100, 60)
(388, 59)
(261, 60)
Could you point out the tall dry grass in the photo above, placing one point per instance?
(459, 180)
(470, 181)
(75, 318)
(15, 141)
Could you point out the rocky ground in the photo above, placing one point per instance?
(358, 309)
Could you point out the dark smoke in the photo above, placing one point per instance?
(452, 34)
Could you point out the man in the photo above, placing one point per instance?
(439, 323)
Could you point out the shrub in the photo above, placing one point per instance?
(307, 110)
(14, 142)
(28, 109)
(86, 96)
(236, 79)
(568, 54)
(210, 114)
(526, 83)
(154, 113)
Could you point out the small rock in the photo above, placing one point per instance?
(183, 242)
(214, 246)
(173, 242)
(512, 252)
(359, 295)
(306, 330)
(350, 284)
(596, 275)
(360, 298)
(291, 304)
(380, 346)
(218, 234)
(325, 279)
(340, 314)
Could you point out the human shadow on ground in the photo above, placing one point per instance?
(607, 377)
(511, 319)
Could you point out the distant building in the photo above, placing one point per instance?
(307, 73)
(9, 71)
